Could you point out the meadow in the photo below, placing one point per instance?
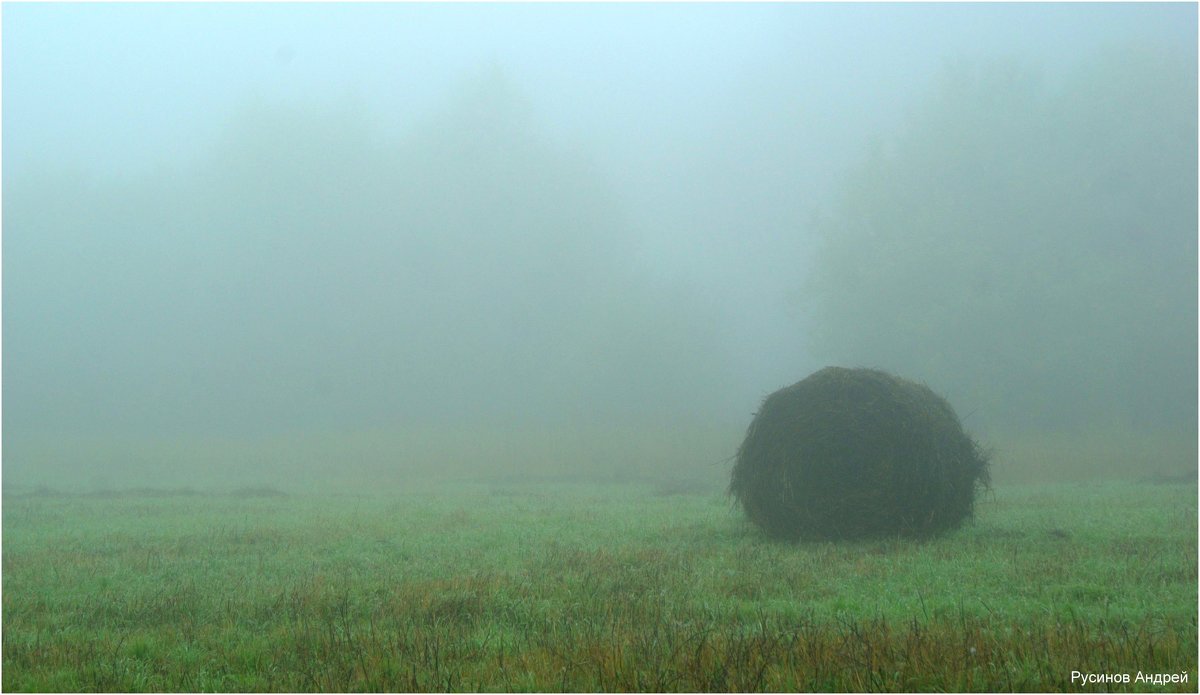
(509, 585)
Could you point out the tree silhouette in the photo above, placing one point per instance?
(1028, 248)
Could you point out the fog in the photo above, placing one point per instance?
(358, 244)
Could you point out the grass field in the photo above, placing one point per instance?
(588, 587)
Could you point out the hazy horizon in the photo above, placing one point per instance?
(276, 223)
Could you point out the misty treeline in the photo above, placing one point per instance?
(1028, 246)
(1024, 244)
(310, 273)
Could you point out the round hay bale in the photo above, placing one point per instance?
(857, 453)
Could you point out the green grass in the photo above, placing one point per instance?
(585, 587)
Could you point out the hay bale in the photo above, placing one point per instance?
(857, 453)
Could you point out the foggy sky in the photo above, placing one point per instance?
(698, 140)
